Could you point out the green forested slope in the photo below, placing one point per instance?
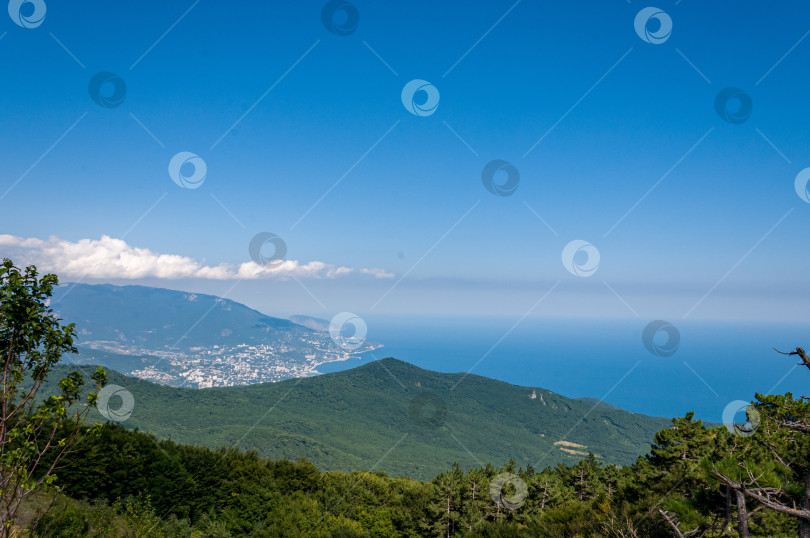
(394, 417)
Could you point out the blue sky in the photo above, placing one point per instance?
(590, 114)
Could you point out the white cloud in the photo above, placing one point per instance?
(114, 258)
(377, 273)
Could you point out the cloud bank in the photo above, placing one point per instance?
(114, 258)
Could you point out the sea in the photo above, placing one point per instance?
(698, 366)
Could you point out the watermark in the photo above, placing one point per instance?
(420, 97)
(502, 188)
(505, 499)
(340, 17)
(652, 340)
(188, 170)
(349, 340)
(802, 179)
(123, 411)
(27, 13)
(428, 410)
(744, 429)
(653, 25)
(572, 258)
(107, 90)
(259, 241)
(733, 105)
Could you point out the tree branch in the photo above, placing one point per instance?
(800, 352)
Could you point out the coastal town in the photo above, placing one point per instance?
(224, 366)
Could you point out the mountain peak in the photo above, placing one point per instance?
(346, 420)
(191, 339)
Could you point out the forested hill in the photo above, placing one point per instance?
(394, 417)
(158, 318)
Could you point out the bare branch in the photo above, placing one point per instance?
(757, 495)
(800, 352)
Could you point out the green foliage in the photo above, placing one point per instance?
(347, 420)
(231, 492)
(134, 482)
(130, 517)
(36, 428)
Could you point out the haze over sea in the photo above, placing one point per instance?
(715, 363)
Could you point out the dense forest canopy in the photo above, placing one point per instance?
(697, 481)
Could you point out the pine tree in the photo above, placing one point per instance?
(783, 486)
(447, 501)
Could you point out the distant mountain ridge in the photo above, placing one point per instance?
(316, 324)
(189, 339)
(392, 416)
(175, 318)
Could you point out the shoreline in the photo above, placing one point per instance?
(349, 356)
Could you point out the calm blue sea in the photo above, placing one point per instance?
(715, 363)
